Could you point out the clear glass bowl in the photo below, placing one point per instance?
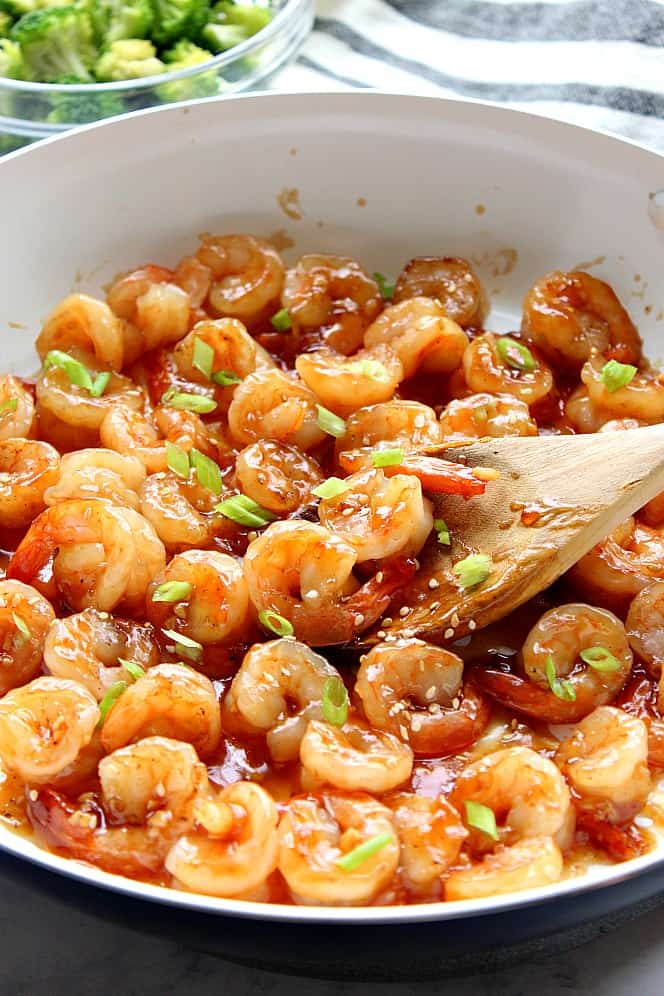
(27, 110)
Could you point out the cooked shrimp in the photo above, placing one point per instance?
(616, 570)
(87, 647)
(415, 690)
(271, 404)
(431, 835)
(136, 434)
(486, 415)
(528, 864)
(234, 845)
(170, 700)
(346, 383)
(234, 351)
(449, 280)
(97, 473)
(44, 725)
(379, 516)
(605, 760)
(277, 476)
(642, 398)
(17, 409)
(82, 322)
(485, 370)
(178, 510)
(421, 335)
(276, 691)
(153, 305)
(408, 425)
(28, 468)
(584, 415)
(247, 276)
(641, 699)
(195, 278)
(316, 831)
(25, 617)
(645, 626)
(353, 757)
(216, 609)
(334, 294)
(103, 555)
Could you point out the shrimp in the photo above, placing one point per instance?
(103, 555)
(555, 645)
(379, 516)
(195, 278)
(353, 757)
(82, 322)
(486, 370)
(645, 627)
(334, 294)
(88, 646)
(421, 335)
(416, 691)
(234, 351)
(642, 398)
(178, 510)
(641, 699)
(234, 845)
(629, 559)
(584, 415)
(528, 864)
(97, 473)
(17, 409)
(271, 404)
(247, 276)
(486, 415)
(154, 307)
(278, 477)
(170, 700)
(25, 617)
(316, 831)
(136, 434)
(408, 425)
(276, 691)
(28, 468)
(216, 609)
(605, 760)
(44, 726)
(449, 280)
(431, 835)
(346, 383)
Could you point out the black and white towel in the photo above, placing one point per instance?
(598, 63)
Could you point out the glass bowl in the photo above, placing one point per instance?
(27, 110)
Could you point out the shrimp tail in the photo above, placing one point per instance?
(528, 698)
(442, 476)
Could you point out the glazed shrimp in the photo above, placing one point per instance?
(271, 404)
(567, 315)
(486, 415)
(155, 309)
(247, 276)
(87, 647)
(170, 700)
(408, 425)
(616, 570)
(234, 351)
(276, 691)
(25, 617)
(17, 409)
(216, 609)
(134, 433)
(605, 760)
(528, 864)
(44, 725)
(103, 555)
(353, 757)
(28, 468)
(415, 690)
(317, 830)
(195, 278)
(485, 370)
(421, 335)
(642, 398)
(178, 510)
(234, 845)
(379, 516)
(449, 280)
(431, 835)
(97, 473)
(583, 414)
(344, 383)
(277, 476)
(556, 642)
(82, 322)
(645, 627)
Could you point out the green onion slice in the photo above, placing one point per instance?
(276, 623)
(189, 648)
(386, 289)
(282, 321)
(481, 817)
(134, 670)
(349, 862)
(387, 458)
(600, 659)
(615, 375)
(560, 687)
(515, 354)
(245, 511)
(330, 423)
(10, 405)
(331, 488)
(198, 403)
(177, 460)
(372, 369)
(99, 384)
(172, 591)
(21, 625)
(443, 532)
(334, 703)
(473, 570)
(225, 378)
(109, 700)
(203, 356)
(207, 471)
(77, 372)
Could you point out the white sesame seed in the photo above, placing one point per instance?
(430, 693)
(448, 634)
(404, 732)
(416, 724)
(388, 620)
(472, 625)
(379, 577)
(252, 535)
(434, 606)
(381, 634)
(456, 702)
(34, 795)
(359, 619)
(455, 619)
(434, 583)
(404, 611)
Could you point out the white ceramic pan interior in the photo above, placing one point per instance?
(374, 176)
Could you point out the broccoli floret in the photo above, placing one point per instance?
(5, 24)
(11, 63)
(178, 19)
(182, 56)
(221, 37)
(130, 59)
(56, 42)
(82, 108)
(232, 23)
(117, 20)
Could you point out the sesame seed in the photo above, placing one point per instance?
(379, 577)
(363, 658)
(34, 795)
(456, 702)
(359, 619)
(252, 535)
(381, 634)
(434, 606)
(388, 620)
(430, 693)
(311, 594)
(472, 625)
(434, 583)
(404, 732)
(416, 724)
(455, 619)
(434, 708)
(448, 634)
(404, 611)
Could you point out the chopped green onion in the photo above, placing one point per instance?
(600, 659)
(282, 321)
(560, 687)
(109, 700)
(443, 531)
(189, 648)
(482, 818)
(331, 488)
(134, 670)
(330, 423)
(334, 703)
(349, 862)
(203, 356)
(21, 626)
(99, 384)
(172, 591)
(386, 290)
(372, 369)
(515, 354)
(387, 458)
(245, 511)
(615, 375)
(198, 403)
(207, 471)
(276, 623)
(77, 372)
(225, 378)
(10, 405)
(177, 460)
(473, 570)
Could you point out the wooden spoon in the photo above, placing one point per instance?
(557, 497)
